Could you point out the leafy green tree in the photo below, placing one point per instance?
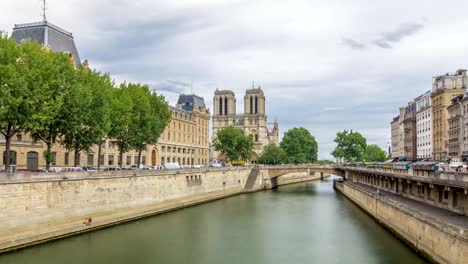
(87, 111)
(232, 142)
(50, 78)
(350, 146)
(150, 115)
(273, 154)
(121, 118)
(374, 153)
(16, 99)
(300, 146)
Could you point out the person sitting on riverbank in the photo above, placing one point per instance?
(85, 221)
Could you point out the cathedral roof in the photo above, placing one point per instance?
(47, 34)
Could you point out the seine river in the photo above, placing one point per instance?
(300, 223)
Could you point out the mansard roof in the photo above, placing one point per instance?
(188, 101)
(47, 34)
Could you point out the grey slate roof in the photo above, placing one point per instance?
(46, 33)
(187, 101)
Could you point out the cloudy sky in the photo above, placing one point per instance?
(324, 65)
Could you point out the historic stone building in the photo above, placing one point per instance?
(424, 126)
(455, 131)
(464, 129)
(409, 134)
(397, 134)
(444, 88)
(253, 121)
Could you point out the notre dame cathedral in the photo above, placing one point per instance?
(253, 121)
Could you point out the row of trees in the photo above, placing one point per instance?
(352, 147)
(297, 146)
(42, 93)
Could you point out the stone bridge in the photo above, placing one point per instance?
(279, 175)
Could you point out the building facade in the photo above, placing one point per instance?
(444, 88)
(395, 124)
(455, 131)
(424, 126)
(253, 121)
(409, 134)
(464, 129)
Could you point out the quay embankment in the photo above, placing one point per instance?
(37, 208)
(439, 235)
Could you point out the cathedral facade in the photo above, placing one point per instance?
(253, 121)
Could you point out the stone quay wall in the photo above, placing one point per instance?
(37, 208)
(439, 242)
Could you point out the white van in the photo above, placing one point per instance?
(171, 166)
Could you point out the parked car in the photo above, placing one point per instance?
(171, 166)
(89, 168)
(112, 169)
(72, 169)
(216, 165)
(157, 167)
(197, 166)
(136, 167)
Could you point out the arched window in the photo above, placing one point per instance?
(220, 106)
(225, 106)
(256, 104)
(251, 105)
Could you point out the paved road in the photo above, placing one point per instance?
(444, 215)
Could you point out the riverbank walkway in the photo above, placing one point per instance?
(443, 215)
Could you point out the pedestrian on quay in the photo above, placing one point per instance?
(90, 220)
(85, 221)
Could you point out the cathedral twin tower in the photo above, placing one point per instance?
(253, 122)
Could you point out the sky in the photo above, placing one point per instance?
(323, 65)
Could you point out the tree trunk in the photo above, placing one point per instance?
(99, 155)
(120, 157)
(76, 161)
(139, 157)
(48, 151)
(7, 152)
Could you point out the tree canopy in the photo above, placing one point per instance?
(300, 146)
(351, 146)
(273, 154)
(87, 111)
(16, 100)
(233, 143)
(150, 115)
(374, 153)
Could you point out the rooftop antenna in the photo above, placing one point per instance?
(44, 3)
(191, 88)
(253, 85)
